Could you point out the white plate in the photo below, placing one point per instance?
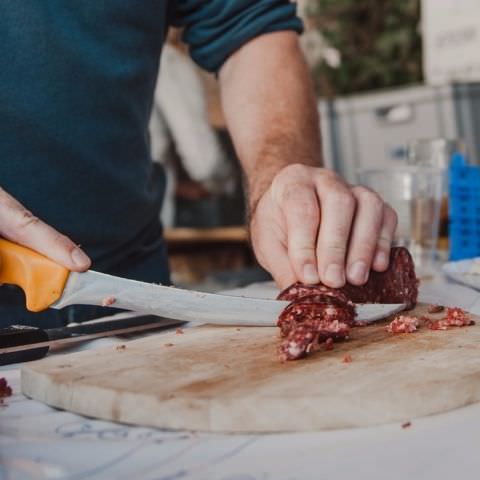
(466, 272)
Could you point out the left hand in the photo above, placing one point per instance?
(311, 226)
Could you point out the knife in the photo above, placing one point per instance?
(20, 343)
(48, 284)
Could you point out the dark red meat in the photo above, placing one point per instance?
(455, 317)
(398, 284)
(435, 308)
(299, 290)
(315, 307)
(403, 324)
(306, 337)
(319, 314)
(5, 389)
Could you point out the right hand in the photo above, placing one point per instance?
(311, 226)
(19, 225)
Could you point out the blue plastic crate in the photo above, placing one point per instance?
(464, 209)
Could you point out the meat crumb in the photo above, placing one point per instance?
(5, 389)
(120, 347)
(107, 301)
(406, 425)
(329, 344)
(455, 317)
(179, 331)
(347, 359)
(169, 345)
(403, 324)
(435, 308)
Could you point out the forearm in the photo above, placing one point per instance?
(270, 109)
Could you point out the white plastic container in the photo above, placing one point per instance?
(373, 130)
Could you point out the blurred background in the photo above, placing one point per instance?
(398, 85)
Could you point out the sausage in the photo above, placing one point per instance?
(398, 284)
(320, 314)
(306, 337)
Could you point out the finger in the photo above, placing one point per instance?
(272, 255)
(385, 239)
(20, 226)
(337, 207)
(365, 234)
(280, 268)
(302, 216)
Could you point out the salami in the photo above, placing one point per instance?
(299, 290)
(306, 337)
(318, 317)
(398, 284)
(318, 314)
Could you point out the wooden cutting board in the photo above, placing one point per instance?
(228, 379)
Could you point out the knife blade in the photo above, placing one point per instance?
(47, 284)
(93, 287)
(20, 343)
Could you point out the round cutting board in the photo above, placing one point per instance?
(228, 379)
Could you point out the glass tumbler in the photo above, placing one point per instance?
(415, 193)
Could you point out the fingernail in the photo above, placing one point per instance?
(381, 259)
(358, 272)
(79, 258)
(334, 275)
(310, 274)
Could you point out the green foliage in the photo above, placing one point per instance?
(379, 41)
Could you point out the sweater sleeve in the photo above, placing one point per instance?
(214, 29)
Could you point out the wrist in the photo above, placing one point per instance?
(258, 184)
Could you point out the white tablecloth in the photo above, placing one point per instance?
(38, 442)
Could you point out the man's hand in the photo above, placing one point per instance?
(306, 223)
(20, 226)
(310, 226)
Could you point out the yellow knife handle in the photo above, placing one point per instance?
(40, 278)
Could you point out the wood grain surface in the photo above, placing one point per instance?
(228, 379)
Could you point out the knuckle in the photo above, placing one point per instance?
(334, 248)
(369, 197)
(293, 171)
(384, 243)
(299, 199)
(364, 248)
(359, 190)
(301, 253)
(308, 211)
(288, 191)
(344, 199)
(339, 234)
(26, 220)
(329, 175)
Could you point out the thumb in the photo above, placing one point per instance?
(273, 256)
(20, 226)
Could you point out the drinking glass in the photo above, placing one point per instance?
(415, 193)
(437, 153)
